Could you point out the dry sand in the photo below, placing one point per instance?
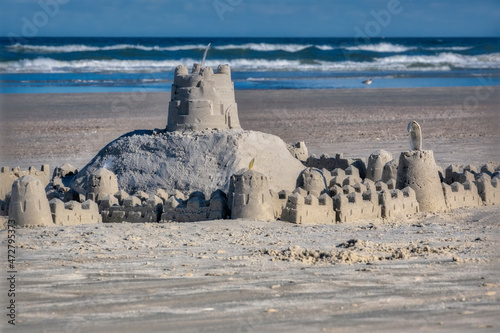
(430, 272)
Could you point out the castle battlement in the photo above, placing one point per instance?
(309, 209)
(196, 208)
(137, 208)
(337, 162)
(396, 203)
(9, 175)
(461, 195)
(456, 173)
(384, 186)
(202, 100)
(356, 206)
(343, 177)
(73, 212)
(490, 168)
(488, 189)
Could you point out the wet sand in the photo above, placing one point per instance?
(430, 272)
(60, 128)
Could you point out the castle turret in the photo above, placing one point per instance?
(418, 170)
(102, 183)
(29, 205)
(376, 163)
(202, 100)
(313, 181)
(251, 197)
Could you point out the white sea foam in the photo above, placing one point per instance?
(263, 47)
(449, 48)
(87, 48)
(381, 47)
(439, 62)
(266, 47)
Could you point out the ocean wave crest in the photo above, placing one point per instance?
(262, 47)
(266, 47)
(381, 47)
(87, 48)
(440, 62)
(449, 48)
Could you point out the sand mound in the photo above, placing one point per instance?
(356, 251)
(192, 161)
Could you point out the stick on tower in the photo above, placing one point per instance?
(202, 100)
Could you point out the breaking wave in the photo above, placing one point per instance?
(440, 62)
(88, 48)
(449, 48)
(381, 47)
(266, 47)
(262, 47)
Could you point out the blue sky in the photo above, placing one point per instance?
(251, 18)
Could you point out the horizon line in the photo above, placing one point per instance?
(272, 37)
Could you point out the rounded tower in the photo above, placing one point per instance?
(418, 170)
(202, 100)
(102, 183)
(376, 163)
(250, 196)
(29, 205)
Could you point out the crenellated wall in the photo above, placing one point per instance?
(202, 100)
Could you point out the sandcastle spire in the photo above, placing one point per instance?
(205, 55)
(415, 133)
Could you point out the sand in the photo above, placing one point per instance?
(431, 272)
(37, 128)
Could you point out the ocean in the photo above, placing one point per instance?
(65, 65)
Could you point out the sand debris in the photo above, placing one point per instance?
(355, 251)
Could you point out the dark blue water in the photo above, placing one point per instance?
(123, 64)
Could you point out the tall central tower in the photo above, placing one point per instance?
(202, 100)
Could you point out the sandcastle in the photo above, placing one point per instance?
(202, 146)
(418, 170)
(202, 100)
(250, 196)
(29, 205)
(197, 169)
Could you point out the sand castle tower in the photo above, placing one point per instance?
(376, 163)
(418, 170)
(202, 100)
(313, 181)
(102, 183)
(29, 205)
(250, 196)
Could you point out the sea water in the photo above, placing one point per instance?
(54, 65)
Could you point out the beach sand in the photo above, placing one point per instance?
(430, 272)
(60, 128)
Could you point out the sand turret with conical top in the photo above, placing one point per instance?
(418, 170)
(376, 163)
(29, 205)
